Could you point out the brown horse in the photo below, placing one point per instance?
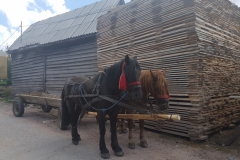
(154, 84)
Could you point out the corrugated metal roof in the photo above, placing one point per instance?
(81, 21)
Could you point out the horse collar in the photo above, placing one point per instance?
(123, 80)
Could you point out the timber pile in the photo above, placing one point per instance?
(198, 42)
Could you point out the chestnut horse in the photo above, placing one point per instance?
(154, 84)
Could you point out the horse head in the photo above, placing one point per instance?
(129, 80)
(154, 82)
(161, 94)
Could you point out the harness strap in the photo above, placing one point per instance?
(166, 96)
(103, 109)
(83, 84)
(134, 84)
(97, 85)
(124, 105)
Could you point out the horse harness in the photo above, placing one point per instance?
(76, 90)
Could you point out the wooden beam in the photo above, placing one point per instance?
(155, 117)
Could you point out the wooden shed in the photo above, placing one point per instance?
(59, 47)
(197, 41)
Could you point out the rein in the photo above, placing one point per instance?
(103, 109)
(122, 86)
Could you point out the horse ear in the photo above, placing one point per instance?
(135, 58)
(151, 73)
(127, 59)
(164, 71)
(154, 77)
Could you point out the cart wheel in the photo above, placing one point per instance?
(46, 108)
(18, 108)
(60, 122)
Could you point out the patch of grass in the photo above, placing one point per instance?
(6, 94)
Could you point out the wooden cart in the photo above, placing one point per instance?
(48, 101)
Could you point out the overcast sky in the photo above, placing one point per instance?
(12, 12)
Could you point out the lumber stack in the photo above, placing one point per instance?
(218, 30)
(200, 50)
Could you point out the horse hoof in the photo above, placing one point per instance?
(75, 142)
(119, 154)
(143, 144)
(105, 155)
(124, 131)
(119, 132)
(63, 127)
(131, 145)
(79, 138)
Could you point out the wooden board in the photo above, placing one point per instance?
(41, 99)
(198, 42)
(156, 117)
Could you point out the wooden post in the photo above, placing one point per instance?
(145, 116)
(44, 70)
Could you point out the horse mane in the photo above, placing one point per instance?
(113, 73)
(147, 80)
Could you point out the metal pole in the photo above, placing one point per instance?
(21, 31)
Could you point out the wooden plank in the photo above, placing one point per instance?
(42, 99)
(144, 116)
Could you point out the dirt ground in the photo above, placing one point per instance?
(161, 146)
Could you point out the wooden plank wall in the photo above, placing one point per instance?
(65, 62)
(27, 71)
(166, 34)
(48, 68)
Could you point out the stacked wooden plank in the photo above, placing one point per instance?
(218, 29)
(201, 58)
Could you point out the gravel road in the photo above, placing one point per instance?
(35, 136)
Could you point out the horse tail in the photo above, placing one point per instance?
(65, 117)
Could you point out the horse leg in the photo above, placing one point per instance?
(119, 126)
(131, 143)
(143, 141)
(114, 141)
(103, 149)
(78, 112)
(73, 111)
(65, 117)
(124, 128)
